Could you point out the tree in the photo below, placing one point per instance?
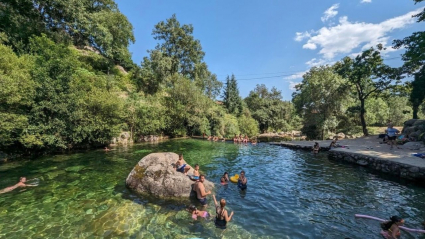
(268, 109)
(231, 99)
(417, 94)
(319, 98)
(368, 75)
(414, 61)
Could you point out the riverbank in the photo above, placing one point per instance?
(369, 152)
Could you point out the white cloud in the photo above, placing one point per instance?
(319, 62)
(347, 36)
(366, 1)
(330, 12)
(292, 85)
(297, 75)
(299, 36)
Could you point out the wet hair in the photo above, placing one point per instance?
(200, 176)
(222, 203)
(225, 173)
(387, 225)
(20, 179)
(242, 172)
(192, 208)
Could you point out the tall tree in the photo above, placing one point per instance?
(414, 61)
(231, 99)
(319, 98)
(368, 75)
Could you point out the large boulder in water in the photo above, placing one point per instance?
(155, 175)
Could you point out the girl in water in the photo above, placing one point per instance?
(197, 213)
(390, 229)
(225, 178)
(222, 217)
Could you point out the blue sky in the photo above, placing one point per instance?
(273, 42)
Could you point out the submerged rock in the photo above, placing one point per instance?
(154, 174)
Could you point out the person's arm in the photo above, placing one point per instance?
(215, 200)
(394, 230)
(228, 218)
(202, 191)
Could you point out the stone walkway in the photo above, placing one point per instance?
(368, 151)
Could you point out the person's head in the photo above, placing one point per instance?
(316, 143)
(243, 173)
(225, 174)
(22, 179)
(396, 219)
(202, 178)
(197, 166)
(222, 203)
(180, 156)
(192, 208)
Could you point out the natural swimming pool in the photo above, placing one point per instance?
(291, 194)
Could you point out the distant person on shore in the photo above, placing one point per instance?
(316, 148)
(390, 229)
(20, 184)
(200, 191)
(198, 213)
(391, 132)
(242, 181)
(225, 178)
(181, 165)
(222, 216)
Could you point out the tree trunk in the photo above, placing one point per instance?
(415, 108)
(362, 119)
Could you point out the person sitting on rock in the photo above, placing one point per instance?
(196, 173)
(20, 184)
(198, 213)
(200, 191)
(181, 165)
(316, 148)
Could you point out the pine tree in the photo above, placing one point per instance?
(231, 99)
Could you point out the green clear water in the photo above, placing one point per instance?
(291, 194)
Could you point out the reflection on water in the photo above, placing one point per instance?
(291, 194)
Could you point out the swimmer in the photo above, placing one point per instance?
(20, 184)
(199, 188)
(222, 217)
(225, 178)
(390, 229)
(181, 165)
(242, 181)
(198, 213)
(316, 148)
(107, 149)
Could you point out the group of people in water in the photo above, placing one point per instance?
(237, 139)
(222, 216)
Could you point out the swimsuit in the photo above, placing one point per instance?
(203, 201)
(181, 168)
(241, 185)
(220, 223)
(195, 177)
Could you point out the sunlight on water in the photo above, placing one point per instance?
(290, 194)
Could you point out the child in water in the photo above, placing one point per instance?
(197, 213)
(390, 229)
(225, 178)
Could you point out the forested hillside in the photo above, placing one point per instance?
(67, 81)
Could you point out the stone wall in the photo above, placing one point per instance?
(414, 128)
(386, 166)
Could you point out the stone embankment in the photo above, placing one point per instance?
(372, 153)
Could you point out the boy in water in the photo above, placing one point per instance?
(20, 184)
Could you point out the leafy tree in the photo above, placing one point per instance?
(368, 75)
(268, 109)
(414, 61)
(319, 99)
(16, 95)
(417, 94)
(231, 99)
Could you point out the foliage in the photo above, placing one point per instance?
(368, 75)
(231, 99)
